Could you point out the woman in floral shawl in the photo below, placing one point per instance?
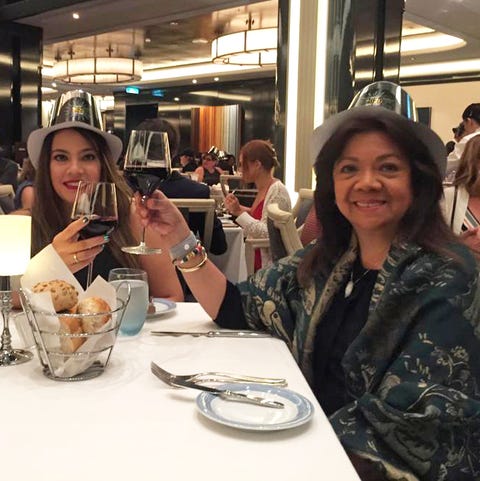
(381, 313)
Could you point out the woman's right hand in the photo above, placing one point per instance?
(77, 254)
(233, 205)
(161, 215)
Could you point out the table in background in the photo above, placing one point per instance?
(126, 424)
(232, 263)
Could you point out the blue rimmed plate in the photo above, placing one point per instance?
(162, 306)
(297, 411)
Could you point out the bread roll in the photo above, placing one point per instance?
(93, 305)
(70, 325)
(64, 295)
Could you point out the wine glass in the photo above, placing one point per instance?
(98, 202)
(147, 164)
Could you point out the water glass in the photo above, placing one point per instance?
(136, 310)
(22, 330)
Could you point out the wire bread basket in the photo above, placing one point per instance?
(67, 356)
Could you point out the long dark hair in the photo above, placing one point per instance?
(423, 223)
(49, 216)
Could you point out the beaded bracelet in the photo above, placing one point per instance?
(197, 250)
(194, 268)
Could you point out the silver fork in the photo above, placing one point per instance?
(219, 377)
(227, 394)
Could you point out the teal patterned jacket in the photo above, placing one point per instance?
(413, 370)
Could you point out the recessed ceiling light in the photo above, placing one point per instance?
(194, 81)
(200, 40)
(216, 79)
(75, 15)
(176, 99)
(173, 23)
(148, 39)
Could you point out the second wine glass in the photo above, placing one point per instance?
(98, 202)
(147, 164)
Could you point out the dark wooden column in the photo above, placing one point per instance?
(364, 46)
(20, 82)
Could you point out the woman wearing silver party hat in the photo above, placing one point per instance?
(71, 149)
(382, 311)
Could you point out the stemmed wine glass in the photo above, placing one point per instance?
(147, 164)
(98, 202)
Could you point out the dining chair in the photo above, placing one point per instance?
(206, 206)
(251, 245)
(283, 235)
(229, 182)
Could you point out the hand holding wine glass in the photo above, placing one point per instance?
(98, 203)
(147, 164)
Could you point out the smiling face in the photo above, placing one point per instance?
(372, 182)
(72, 159)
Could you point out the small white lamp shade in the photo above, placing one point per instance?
(15, 240)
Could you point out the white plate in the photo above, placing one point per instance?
(162, 306)
(297, 411)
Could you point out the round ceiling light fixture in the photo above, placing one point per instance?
(248, 47)
(98, 70)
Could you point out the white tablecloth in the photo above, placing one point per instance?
(232, 263)
(128, 425)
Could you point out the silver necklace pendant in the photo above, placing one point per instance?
(349, 288)
(351, 283)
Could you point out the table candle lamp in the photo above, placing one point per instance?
(15, 241)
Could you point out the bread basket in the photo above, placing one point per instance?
(87, 361)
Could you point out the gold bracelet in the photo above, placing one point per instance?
(194, 268)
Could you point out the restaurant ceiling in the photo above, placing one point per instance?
(169, 31)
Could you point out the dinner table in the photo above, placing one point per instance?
(126, 424)
(232, 263)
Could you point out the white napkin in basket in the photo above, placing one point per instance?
(47, 265)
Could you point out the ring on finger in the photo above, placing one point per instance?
(75, 259)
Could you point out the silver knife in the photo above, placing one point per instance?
(246, 334)
(230, 395)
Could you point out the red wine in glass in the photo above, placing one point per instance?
(145, 180)
(99, 226)
(97, 201)
(147, 164)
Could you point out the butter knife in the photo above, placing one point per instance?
(246, 334)
(229, 395)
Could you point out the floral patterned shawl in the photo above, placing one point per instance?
(413, 370)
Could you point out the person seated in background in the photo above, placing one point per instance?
(381, 313)
(71, 150)
(208, 172)
(8, 176)
(187, 160)
(177, 186)
(258, 161)
(25, 191)
(462, 198)
(471, 128)
(8, 171)
(226, 162)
